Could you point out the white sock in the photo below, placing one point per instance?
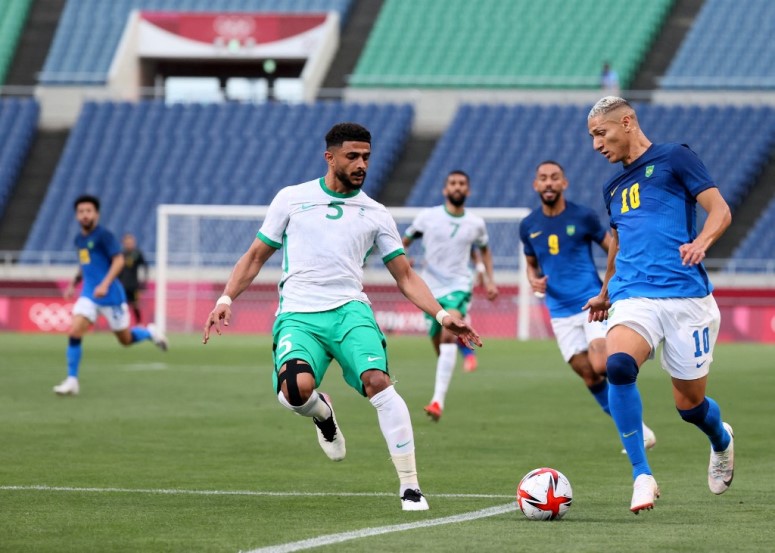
(315, 407)
(396, 426)
(445, 366)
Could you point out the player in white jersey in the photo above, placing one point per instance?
(448, 233)
(327, 228)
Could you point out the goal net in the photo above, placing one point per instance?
(197, 245)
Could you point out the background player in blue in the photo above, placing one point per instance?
(101, 261)
(655, 287)
(557, 239)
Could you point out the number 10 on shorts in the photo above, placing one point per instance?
(701, 348)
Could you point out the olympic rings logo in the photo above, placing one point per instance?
(234, 26)
(52, 316)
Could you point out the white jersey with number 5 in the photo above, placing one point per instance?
(447, 241)
(326, 238)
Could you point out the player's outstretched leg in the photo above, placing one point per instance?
(707, 417)
(445, 366)
(320, 408)
(470, 363)
(396, 426)
(69, 386)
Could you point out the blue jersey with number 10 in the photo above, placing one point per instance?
(96, 251)
(652, 204)
(562, 244)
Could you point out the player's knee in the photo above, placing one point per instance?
(622, 369)
(695, 415)
(296, 381)
(374, 381)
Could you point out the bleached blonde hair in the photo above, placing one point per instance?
(606, 105)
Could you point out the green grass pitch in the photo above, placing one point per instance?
(205, 418)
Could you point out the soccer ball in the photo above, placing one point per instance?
(544, 494)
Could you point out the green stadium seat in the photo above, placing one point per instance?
(491, 43)
(13, 14)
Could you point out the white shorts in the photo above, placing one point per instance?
(688, 327)
(574, 333)
(116, 315)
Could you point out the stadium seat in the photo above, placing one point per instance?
(713, 55)
(520, 43)
(13, 14)
(89, 31)
(18, 124)
(137, 156)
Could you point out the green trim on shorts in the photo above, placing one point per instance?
(348, 334)
(459, 301)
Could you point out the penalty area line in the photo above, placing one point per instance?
(178, 491)
(376, 531)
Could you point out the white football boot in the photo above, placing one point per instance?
(644, 493)
(158, 337)
(413, 500)
(330, 437)
(68, 387)
(721, 469)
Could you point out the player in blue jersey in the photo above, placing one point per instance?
(656, 289)
(101, 261)
(557, 239)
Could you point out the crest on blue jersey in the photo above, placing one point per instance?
(649, 171)
(571, 230)
(90, 245)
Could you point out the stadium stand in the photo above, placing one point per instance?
(90, 30)
(714, 55)
(18, 121)
(522, 43)
(758, 244)
(137, 156)
(500, 147)
(13, 13)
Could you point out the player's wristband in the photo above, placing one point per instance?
(440, 316)
(480, 268)
(223, 300)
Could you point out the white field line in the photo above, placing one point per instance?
(367, 532)
(173, 491)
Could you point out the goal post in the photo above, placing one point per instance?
(197, 245)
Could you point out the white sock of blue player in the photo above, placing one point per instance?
(707, 417)
(396, 426)
(313, 407)
(445, 367)
(73, 357)
(627, 409)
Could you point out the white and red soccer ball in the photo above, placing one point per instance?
(544, 494)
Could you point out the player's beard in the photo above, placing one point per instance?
(550, 203)
(344, 178)
(88, 226)
(457, 199)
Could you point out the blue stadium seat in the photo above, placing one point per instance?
(137, 156)
(713, 54)
(89, 31)
(18, 125)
